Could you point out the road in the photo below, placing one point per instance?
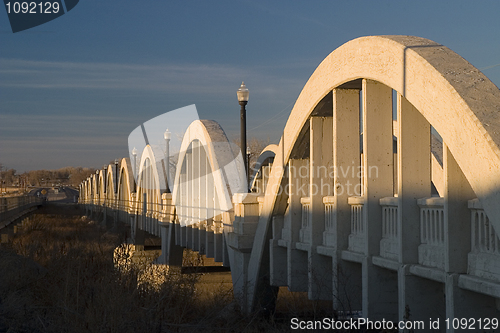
(59, 194)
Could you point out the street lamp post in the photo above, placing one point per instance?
(104, 176)
(134, 169)
(116, 174)
(248, 167)
(167, 135)
(242, 94)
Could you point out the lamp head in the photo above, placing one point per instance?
(242, 93)
(167, 135)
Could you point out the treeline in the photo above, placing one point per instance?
(70, 176)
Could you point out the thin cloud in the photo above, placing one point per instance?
(54, 125)
(185, 78)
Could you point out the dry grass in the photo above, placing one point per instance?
(58, 276)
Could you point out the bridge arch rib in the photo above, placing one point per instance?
(207, 174)
(111, 182)
(126, 186)
(260, 176)
(95, 188)
(435, 87)
(445, 88)
(150, 186)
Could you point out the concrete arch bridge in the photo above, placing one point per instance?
(382, 195)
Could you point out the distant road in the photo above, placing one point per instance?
(71, 194)
(64, 194)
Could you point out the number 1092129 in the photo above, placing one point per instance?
(32, 7)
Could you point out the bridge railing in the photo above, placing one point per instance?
(123, 209)
(431, 249)
(329, 233)
(389, 245)
(483, 236)
(199, 228)
(13, 207)
(357, 235)
(484, 258)
(305, 230)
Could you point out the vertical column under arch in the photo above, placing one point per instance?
(379, 284)
(321, 163)
(346, 162)
(414, 182)
(203, 203)
(209, 234)
(196, 195)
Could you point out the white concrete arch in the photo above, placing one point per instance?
(101, 179)
(84, 192)
(452, 95)
(150, 181)
(206, 177)
(89, 194)
(265, 158)
(111, 183)
(89, 187)
(126, 182)
(226, 169)
(95, 189)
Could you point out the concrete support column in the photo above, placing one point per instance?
(164, 223)
(320, 183)
(140, 230)
(246, 218)
(462, 303)
(132, 205)
(91, 202)
(414, 176)
(187, 199)
(204, 201)
(115, 211)
(277, 254)
(210, 196)
(414, 182)
(456, 215)
(297, 265)
(171, 254)
(218, 229)
(195, 197)
(136, 234)
(457, 237)
(104, 214)
(346, 160)
(227, 226)
(180, 226)
(379, 292)
(420, 298)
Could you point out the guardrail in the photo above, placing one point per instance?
(431, 250)
(12, 208)
(357, 236)
(305, 230)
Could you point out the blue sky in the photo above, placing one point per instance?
(72, 90)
